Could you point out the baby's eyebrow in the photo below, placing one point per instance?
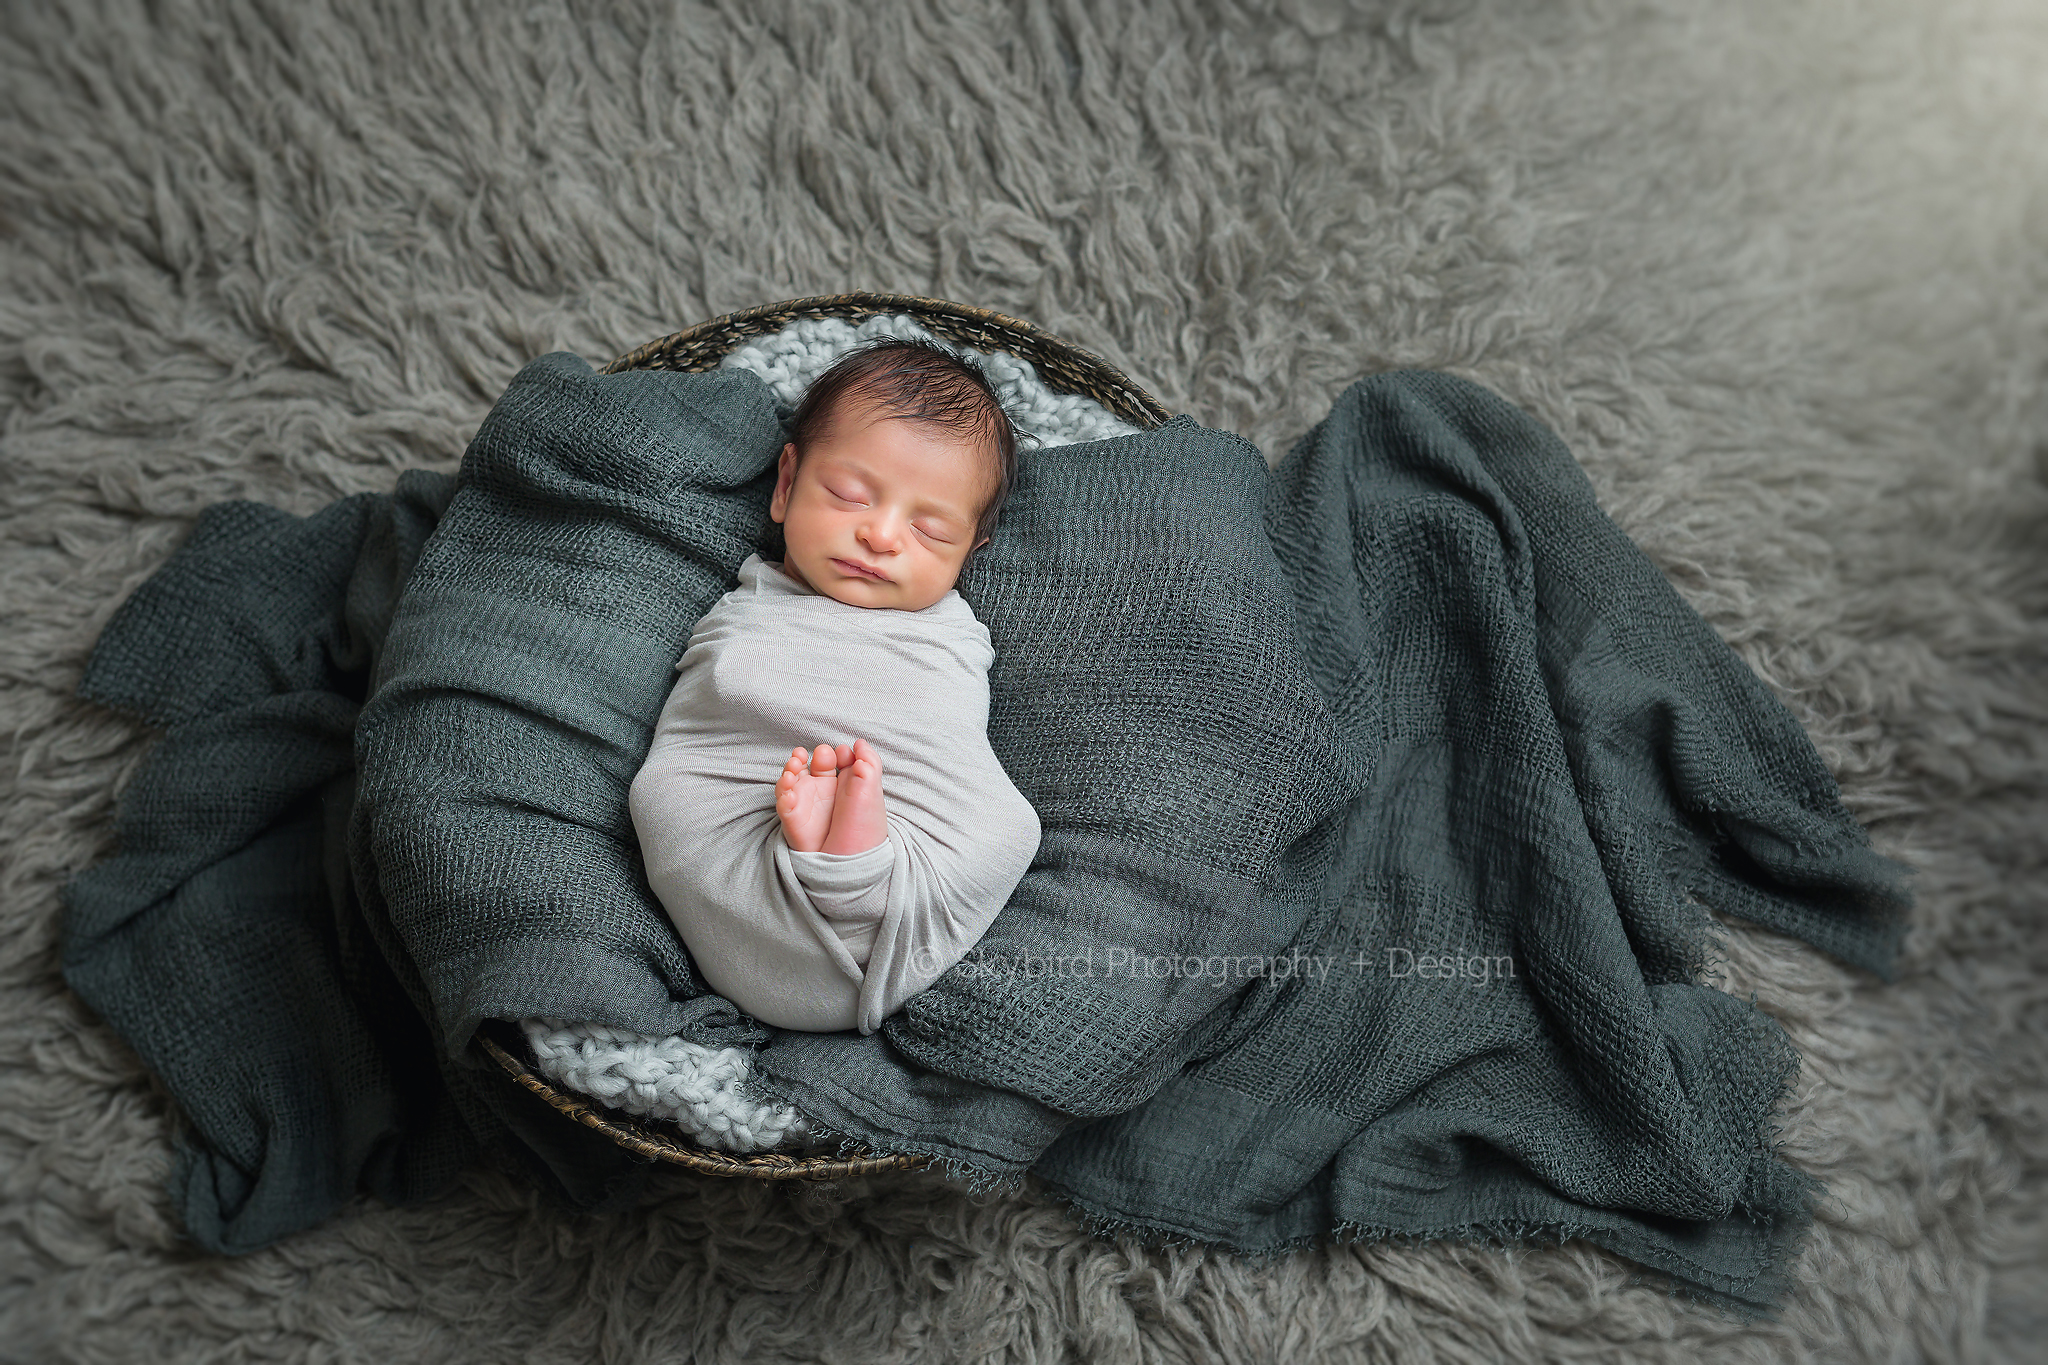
(941, 510)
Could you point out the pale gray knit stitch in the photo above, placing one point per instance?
(791, 358)
(688, 1084)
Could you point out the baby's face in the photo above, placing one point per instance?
(880, 513)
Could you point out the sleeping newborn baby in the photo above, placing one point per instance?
(821, 888)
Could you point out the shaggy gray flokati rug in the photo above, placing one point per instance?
(1774, 270)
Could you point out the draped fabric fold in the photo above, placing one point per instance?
(1382, 801)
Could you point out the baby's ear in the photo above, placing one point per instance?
(785, 476)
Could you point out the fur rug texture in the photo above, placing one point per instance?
(1774, 269)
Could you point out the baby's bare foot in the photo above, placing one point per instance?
(805, 794)
(859, 819)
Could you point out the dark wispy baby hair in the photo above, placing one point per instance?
(916, 381)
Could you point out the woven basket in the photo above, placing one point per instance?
(1064, 368)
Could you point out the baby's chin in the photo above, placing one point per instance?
(888, 596)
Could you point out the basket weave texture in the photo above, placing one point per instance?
(1065, 368)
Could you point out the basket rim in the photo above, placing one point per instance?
(1064, 367)
(646, 1140)
(1060, 362)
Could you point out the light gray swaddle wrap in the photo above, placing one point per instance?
(818, 941)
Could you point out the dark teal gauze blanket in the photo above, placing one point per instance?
(1382, 800)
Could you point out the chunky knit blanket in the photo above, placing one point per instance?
(1382, 801)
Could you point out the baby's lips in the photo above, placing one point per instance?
(866, 570)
